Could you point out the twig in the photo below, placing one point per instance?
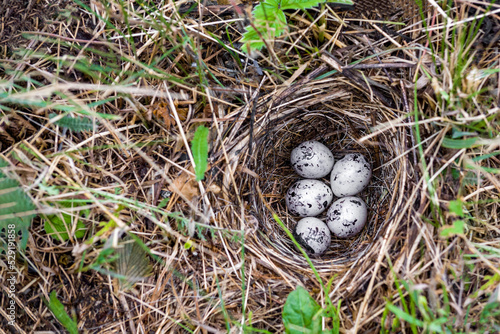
(408, 111)
(378, 58)
(299, 84)
(355, 78)
(123, 301)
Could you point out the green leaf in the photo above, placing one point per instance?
(458, 144)
(163, 203)
(50, 190)
(57, 308)
(486, 156)
(270, 22)
(16, 209)
(300, 313)
(58, 225)
(487, 72)
(459, 134)
(456, 207)
(456, 229)
(484, 169)
(266, 11)
(58, 228)
(490, 313)
(199, 147)
(436, 325)
(75, 124)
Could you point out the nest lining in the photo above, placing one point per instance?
(273, 143)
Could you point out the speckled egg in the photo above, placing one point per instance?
(347, 216)
(308, 198)
(312, 160)
(313, 235)
(350, 175)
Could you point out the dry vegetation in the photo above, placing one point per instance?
(101, 99)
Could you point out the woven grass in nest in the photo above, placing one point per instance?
(339, 124)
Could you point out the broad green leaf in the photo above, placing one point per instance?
(270, 20)
(266, 11)
(300, 312)
(58, 228)
(456, 207)
(199, 147)
(188, 244)
(456, 229)
(57, 308)
(251, 39)
(58, 225)
(16, 208)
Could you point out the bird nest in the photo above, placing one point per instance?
(337, 115)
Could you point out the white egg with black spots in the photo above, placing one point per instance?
(347, 216)
(312, 160)
(313, 235)
(308, 198)
(350, 175)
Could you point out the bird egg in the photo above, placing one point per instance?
(313, 235)
(347, 216)
(308, 198)
(312, 160)
(350, 175)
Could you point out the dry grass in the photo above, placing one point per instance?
(220, 261)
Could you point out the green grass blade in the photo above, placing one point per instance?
(405, 316)
(57, 308)
(458, 144)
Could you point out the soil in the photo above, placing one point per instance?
(19, 16)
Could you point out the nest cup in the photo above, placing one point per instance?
(273, 144)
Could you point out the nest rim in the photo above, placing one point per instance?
(343, 253)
